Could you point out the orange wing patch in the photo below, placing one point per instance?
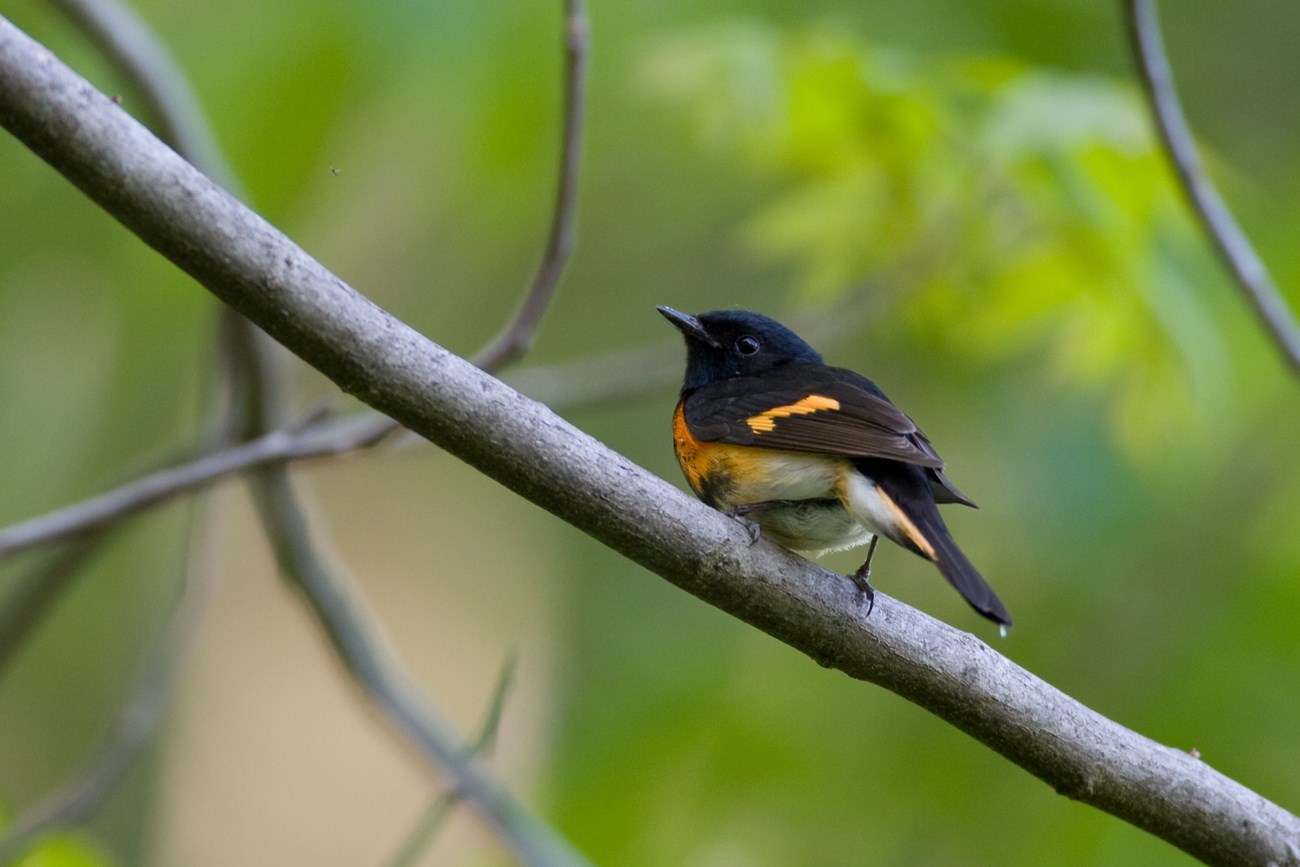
(766, 420)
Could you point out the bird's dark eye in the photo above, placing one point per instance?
(747, 345)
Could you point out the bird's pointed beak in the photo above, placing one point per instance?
(689, 325)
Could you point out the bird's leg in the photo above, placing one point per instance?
(738, 513)
(862, 578)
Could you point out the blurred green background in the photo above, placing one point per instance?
(974, 183)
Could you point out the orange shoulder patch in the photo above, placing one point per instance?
(766, 420)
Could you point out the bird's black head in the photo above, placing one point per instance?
(727, 343)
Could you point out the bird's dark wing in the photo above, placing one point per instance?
(808, 408)
(944, 490)
(940, 485)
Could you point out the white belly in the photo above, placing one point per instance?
(786, 476)
(796, 500)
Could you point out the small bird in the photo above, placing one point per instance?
(815, 456)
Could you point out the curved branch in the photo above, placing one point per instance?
(335, 605)
(317, 440)
(351, 631)
(31, 597)
(131, 733)
(515, 338)
(125, 39)
(427, 827)
(357, 639)
(247, 263)
(1248, 270)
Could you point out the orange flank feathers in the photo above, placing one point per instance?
(691, 453)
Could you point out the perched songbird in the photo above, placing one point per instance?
(816, 456)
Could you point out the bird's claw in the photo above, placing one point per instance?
(862, 579)
(866, 593)
(751, 527)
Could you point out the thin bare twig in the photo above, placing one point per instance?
(253, 376)
(125, 39)
(358, 641)
(137, 723)
(319, 439)
(142, 711)
(33, 595)
(515, 338)
(355, 638)
(418, 840)
(1234, 247)
(128, 42)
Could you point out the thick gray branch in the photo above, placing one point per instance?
(247, 263)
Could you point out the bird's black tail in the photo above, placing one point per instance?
(961, 573)
(910, 517)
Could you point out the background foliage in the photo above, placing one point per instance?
(981, 174)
